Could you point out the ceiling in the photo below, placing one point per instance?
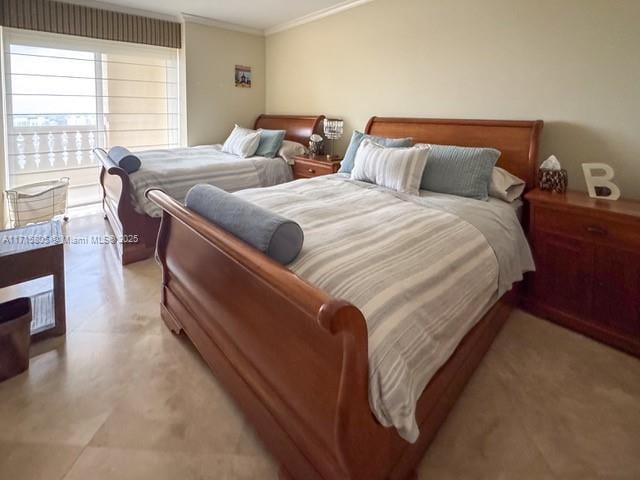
(255, 14)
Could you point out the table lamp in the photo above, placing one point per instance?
(333, 129)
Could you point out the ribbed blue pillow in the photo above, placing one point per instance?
(462, 171)
(356, 139)
(272, 234)
(126, 160)
(270, 142)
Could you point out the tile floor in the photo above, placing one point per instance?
(123, 398)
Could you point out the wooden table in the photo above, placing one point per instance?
(32, 252)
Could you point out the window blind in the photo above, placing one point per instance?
(66, 95)
(72, 19)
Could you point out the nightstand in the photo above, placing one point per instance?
(308, 166)
(587, 255)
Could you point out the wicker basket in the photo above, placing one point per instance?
(37, 202)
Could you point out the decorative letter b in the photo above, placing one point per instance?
(600, 186)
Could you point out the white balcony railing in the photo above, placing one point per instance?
(37, 153)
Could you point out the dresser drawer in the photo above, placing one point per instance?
(308, 169)
(586, 227)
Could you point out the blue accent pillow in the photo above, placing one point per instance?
(462, 171)
(124, 159)
(275, 236)
(356, 139)
(270, 142)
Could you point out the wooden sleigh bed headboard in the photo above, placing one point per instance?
(298, 127)
(517, 140)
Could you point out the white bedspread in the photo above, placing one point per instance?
(176, 170)
(423, 271)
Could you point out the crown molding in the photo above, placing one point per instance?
(212, 22)
(312, 17)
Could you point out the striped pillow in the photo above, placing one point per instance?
(356, 139)
(242, 142)
(399, 169)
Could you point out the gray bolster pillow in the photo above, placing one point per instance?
(279, 238)
(124, 159)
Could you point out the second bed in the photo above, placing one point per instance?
(135, 220)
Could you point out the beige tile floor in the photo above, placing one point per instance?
(123, 398)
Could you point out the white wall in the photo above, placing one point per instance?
(573, 63)
(213, 102)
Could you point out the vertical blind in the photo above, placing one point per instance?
(66, 95)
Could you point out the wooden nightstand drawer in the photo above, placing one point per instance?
(586, 227)
(308, 167)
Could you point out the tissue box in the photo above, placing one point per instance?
(552, 180)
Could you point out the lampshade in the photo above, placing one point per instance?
(333, 128)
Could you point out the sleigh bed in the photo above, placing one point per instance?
(295, 358)
(135, 230)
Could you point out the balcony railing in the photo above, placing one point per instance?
(37, 153)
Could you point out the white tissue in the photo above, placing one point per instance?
(551, 163)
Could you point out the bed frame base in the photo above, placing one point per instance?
(135, 233)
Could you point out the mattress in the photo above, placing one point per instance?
(422, 269)
(176, 170)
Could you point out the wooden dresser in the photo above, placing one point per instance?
(587, 255)
(308, 166)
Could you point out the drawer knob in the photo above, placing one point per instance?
(311, 170)
(594, 229)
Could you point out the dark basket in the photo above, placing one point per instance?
(15, 337)
(552, 180)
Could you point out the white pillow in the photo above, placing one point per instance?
(242, 142)
(397, 168)
(290, 149)
(505, 186)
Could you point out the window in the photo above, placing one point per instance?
(66, 95)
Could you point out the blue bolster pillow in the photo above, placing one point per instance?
(279, 238)
(124, 159)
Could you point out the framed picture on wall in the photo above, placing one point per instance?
(243, 76)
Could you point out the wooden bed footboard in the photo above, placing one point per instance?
(294, 358)
(136, 233)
